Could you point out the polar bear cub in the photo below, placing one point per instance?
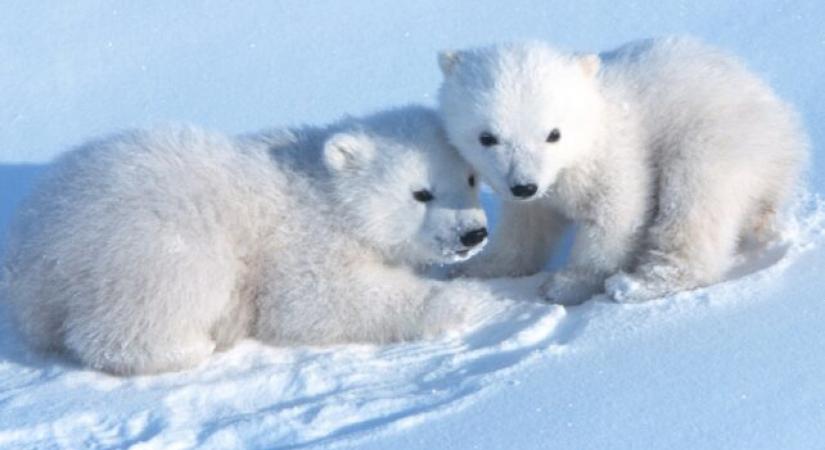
(146, 251)
(664, 153)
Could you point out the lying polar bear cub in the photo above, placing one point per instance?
(147, 251)
(664, 153)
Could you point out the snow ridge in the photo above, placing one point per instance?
(256, 395)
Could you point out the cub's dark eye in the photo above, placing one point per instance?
(554, 136)
(487, 139)
(471, 181)
(423, 196)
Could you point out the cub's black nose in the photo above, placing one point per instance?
(524, 190)
(475, 237)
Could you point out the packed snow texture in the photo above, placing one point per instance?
(735, 365)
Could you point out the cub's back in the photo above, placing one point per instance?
(689, 92)
(104, 203)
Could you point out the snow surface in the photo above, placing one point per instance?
(736, 365)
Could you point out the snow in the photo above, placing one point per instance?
(735, 365)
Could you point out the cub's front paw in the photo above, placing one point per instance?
(570, 287)
(444, 314)
(648, 283)
(626, 288)
(458, 306)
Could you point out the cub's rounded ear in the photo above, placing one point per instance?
(590, 64)
(447, 60)
(347, 151)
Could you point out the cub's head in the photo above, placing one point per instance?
(520, 114)
(401, 187)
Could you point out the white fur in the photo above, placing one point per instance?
(670, 151)
(146, 251)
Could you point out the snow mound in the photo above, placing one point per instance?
(259, 396)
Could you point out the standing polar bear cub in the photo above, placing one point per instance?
(147, 251)
(664, 153)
